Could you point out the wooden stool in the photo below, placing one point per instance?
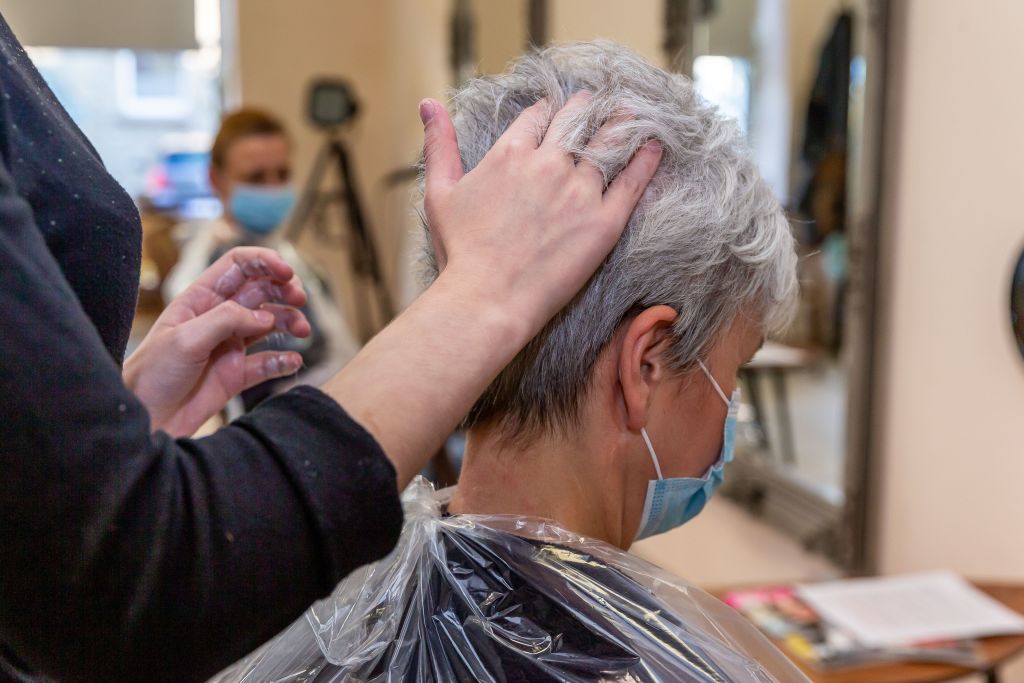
(774, 360)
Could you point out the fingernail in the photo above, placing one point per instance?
(653, 146)
(285, 320)
(426, 111)
(286, 363)
(263, 317)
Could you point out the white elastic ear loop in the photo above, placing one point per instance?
(650, 449)
(714, 383)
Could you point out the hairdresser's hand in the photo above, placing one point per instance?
(194, 359)
(527, 227)
(516, 238)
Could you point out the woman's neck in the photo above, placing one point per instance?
(570, 480)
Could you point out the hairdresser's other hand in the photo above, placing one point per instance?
(194, 358)
(527, 226)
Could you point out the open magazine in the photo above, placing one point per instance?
(791, 622)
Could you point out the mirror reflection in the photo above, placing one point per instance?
(796, 76)
(793, 74)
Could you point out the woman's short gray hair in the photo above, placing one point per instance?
(708, 238)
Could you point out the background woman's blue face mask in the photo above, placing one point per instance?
(675, 501)
(261, 210)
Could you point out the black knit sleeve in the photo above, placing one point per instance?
(131, 556)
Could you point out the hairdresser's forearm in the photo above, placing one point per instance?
(413, 383)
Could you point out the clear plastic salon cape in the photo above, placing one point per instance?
(510, 599)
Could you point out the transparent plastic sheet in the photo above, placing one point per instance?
(503, 599)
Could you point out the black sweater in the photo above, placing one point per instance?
(126, 555)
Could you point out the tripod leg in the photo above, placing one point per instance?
(308, 200)
(370, 259)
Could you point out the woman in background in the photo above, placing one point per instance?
(251, 172)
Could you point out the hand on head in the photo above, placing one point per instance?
(529, 224)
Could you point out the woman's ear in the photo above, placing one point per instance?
(643, 361)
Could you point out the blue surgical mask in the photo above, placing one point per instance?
(261, 210)
(675, 501)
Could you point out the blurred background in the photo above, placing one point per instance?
(881, 433)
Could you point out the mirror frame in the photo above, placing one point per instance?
(841, 529)
(1017, 301)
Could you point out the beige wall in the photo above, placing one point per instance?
(952, 453)
(501, 29)
(637, 23)
(393, 53)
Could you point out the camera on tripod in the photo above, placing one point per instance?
(331, 106)
(331, 103)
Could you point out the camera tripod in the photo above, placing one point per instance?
(313, 209)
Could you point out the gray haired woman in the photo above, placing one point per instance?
(615, 423)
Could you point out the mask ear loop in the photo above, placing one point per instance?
(714, 382)
(650, 449)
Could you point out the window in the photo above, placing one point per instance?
(145, 110)
(725, 83)
(151, 85)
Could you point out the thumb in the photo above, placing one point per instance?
(441, 160)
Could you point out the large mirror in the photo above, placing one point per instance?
(803, 80)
